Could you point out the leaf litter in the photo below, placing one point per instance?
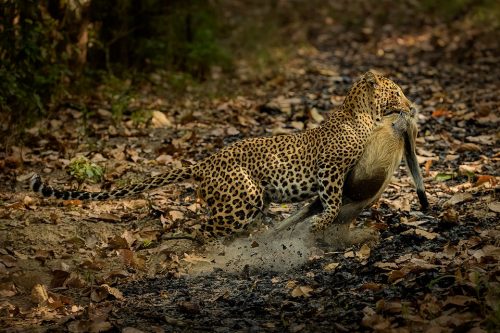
(81, 266)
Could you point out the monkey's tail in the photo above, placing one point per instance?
(412, 163)
(174, 176)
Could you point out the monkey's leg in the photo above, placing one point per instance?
(304, 213)
(340, 235)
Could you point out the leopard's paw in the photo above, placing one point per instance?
(318, 224)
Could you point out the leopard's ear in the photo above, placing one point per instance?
(371, 78)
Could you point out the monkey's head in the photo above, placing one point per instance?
(387, 97)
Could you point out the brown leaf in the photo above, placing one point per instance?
(39, 294)
(458, 198)
(388, 306)
(468, 147)
(7, 289)
(164, 159)
(386, 265)
(302, 291)
(371, 286)
(482, 139)
(394, 276)
(316, 116)
(160, 120)
(189, 307)
(375, 321)
(440, 112)
(130, 259)
(231, 130)
(100, 325)
(331, 266)
(494, 206)
(74, 202)
(193, 259)
(450, 215)
(430, 306)
(427, 166)
(426, 234)
(459, 300)
(131, 330)
(176, 215)
(297, 125)
(467, 169)
(8, 260)
(75, 281)
(364, 252)
(104, 291)
(118, 242)
(485, 179)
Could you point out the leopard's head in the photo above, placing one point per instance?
(387, 96)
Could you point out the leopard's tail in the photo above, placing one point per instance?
(174, 176)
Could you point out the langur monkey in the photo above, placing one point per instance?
(366, 182)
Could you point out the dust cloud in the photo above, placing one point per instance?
(271, 250)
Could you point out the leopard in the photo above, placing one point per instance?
(238, 182)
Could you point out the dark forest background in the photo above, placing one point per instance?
(53, 52)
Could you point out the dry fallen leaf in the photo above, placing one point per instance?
(39, 294)
(469, 146)
(302, 291)
(494, 206)
(104, 291)
(481, 179)
(193, 259)
(459, 300)
(130, 259)
(331, 266)
(7, 289)
(396, 275)
(371, 286)
(450, 215)
(159, 120)
(176, 215)
(389, 306)
(297, 125)
(386, 265)
(349, 254)
(427, 166)
(426, 234)
(440, 112)
(482, 139)
(364, 252)
(458, 198)
(131, 330)
(316, 116)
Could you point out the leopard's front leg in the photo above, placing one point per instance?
(330, 181)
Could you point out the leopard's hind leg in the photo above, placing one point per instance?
(235, 200)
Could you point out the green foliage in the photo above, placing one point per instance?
(31, 67)
(177, 35)
(140, 116)
(444, 176)
(81, 169)
(482, 12)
